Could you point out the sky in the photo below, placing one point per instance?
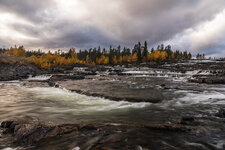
(194, 25)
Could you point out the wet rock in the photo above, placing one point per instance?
(121, 88)
(221, 113)
(30, 133)
(87, 127)
(89, 144)
(51, 83)
(211, 77)
(187, 120)
(162, 85)
(60, 69)
(56, 86)
(96, 68)
(64, 77)
(169, 127)
(85, 73)
(108, 137)
(105, 148)
(1, 133)
(209, 80)
(112, 138)
(111, 142)
(6, 124)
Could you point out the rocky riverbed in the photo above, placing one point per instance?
(115, 108)
(87, 136)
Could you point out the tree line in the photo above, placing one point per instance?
(99, 56)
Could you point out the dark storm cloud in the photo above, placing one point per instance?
(25, 29)
(81, 39)
(34, 10)
(161, 20)
(87, 23)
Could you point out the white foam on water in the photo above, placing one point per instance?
(82, 103)
(219, 88)
(40, 78)
(193, 97)
(180, 79)
(80, 68)
(194, 72)
(137, 72)
(11, 83)
(195, 144)
(76, 148)
(9, 148)
(204, 98)
(205, 72)
(219, 144)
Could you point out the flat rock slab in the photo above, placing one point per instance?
(119, 88)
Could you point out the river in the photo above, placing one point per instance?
(55, 105)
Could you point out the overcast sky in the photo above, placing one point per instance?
(193, 25)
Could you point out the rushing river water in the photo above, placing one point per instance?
(58, 106)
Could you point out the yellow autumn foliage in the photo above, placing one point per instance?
(17, 51)
(50, 60)
(157, 56)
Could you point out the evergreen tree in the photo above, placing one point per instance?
(139, 52)
(152, 50)
(158, 47)
(189, 55)
(162, 47)
(145, 51)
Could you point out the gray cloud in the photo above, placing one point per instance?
(33, 10)
(54, 24)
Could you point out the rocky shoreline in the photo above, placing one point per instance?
(18, 72)
(103, 136)
(214, 71)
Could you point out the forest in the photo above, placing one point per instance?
(97, 56)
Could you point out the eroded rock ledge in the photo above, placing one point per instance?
(33, 133)
(30, 133)
(106, 136)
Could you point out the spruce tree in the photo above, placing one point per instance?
(139, 52)
(145, 51)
